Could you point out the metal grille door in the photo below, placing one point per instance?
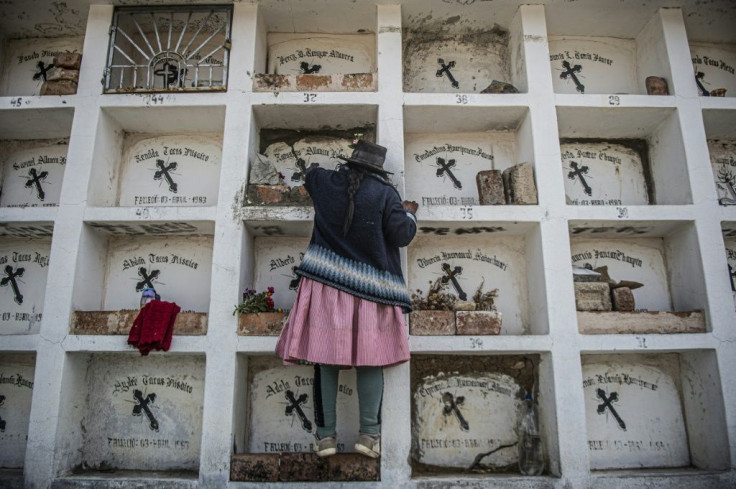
(165, 49)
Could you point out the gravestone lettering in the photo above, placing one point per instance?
(445, 70)
(143, 406)
(579, 171)
(570, 71)
(716, 64)
(451, 276)
(163, 171)
(276, 261)
(607, 400)
(295, 406)
(41, 171)
(444, 168)
(27, 61)
(290, 53)
(10, 279)
(34, 179)
(451, 407)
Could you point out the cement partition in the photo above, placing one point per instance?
(157, 156)
(16, 391)
(647, 411)
(463, 50)
(124, 412)
(29, 63)
(484, 257)
(24, 264)
(720, 129)
(620, 150)
(446, 148)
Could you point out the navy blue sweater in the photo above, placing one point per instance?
(365, 263)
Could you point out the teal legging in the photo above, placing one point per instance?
(370, 393)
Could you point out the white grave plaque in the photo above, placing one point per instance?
(603, 174)
(282, 410)
(33, 177)
(714, 67)
(723, 162)
(593, 65)
(441, 169)
(171, 170)
(464, 262)
(143, 413)
(275, 260)
(28, 61)
(320, 54)
(731, 257)
(458, 417)
(642, 260)
(178, 267)
(23, 270)
(16, 391)
(293, 160)
(633, 412)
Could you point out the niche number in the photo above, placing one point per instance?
(310, 97)
(476, 343)
(622, 212)
(461, 99)
(466, 212)
(16, 102)
(614, 100)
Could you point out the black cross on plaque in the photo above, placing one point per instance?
(169, 74)
(34, 179)
(301, 165)
(295, 406)
(147, 281)
(10, 279)
(163, 172)
(307, 70)
(294, 283)
(2, 421)
(452, 277)
(570, 72)
(607, 404)
(579, 171)
(699, 81)
(143, 407)
(42, 70)
(732, 276)
(451, 407)
(444, 169)
(445, 69)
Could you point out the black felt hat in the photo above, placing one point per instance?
(369, 156)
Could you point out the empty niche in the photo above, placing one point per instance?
(16, 390)
(465, 412)
(631, 279)
(41, 66)
(714, 66)
(33, 172)
(125, 412)
(489, 272)
(606, 172)
(23, 271)
(448, 53)
(170, 170)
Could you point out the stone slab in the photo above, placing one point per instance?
(261, 324)
(58, 73)
(644, 322)
(440, 323)
(592, 296)
(23, 297)
(274, 265)
(623, 299)
(490, 187)
(32, 176)
(303, 467)
(523, 190)
(120, 322)
(255, 467)
(478, 322)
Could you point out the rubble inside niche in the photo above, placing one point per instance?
(340, 82)
(513, 186)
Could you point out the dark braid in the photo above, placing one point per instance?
(355, 177)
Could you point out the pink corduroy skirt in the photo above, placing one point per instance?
(332, 327)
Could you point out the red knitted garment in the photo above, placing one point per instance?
(154, 326)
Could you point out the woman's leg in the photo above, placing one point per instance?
(370, 394)
(325, 399)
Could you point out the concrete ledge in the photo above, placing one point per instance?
(303, 467)
(277, 195)
(120, 479)
(120, 322)
(647, 322)
(261, 324)
(339, 82)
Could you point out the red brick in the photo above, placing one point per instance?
(623, 299)
(268, 194)
(490, 187)
(353, 467)
(308, 83)
(255, 467)
(260, 324)
(478, 322)
(432, 323)
(303, 467)
(266, 82)
(120, 322)
(71, 61)
(357, 81)
(59, 87)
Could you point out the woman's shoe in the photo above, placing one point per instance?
(369, 445)
(324, 447)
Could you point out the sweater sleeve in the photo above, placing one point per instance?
(399, 225)
(311, 179)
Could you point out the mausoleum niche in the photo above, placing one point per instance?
(154, 49)
(723, 162)
(714, 66)
(465, 412)
(33, 172)
(16, 391)
(23, 271)
(729, 239)
(41, 66)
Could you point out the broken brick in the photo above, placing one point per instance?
(490, 187)
(478, 322)
(261, 323)
(592, 296)
(623, 299)
(255, 467)
(423, 323)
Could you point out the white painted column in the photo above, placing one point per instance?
(219, 398)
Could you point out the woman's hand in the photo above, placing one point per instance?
(410, 206)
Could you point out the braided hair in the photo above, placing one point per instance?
(355, 178)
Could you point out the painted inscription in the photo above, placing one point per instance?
(290, 54)
(293, 160)
(276, 259)
(593, 65)
(459, 419)
(723, 163)
(33, 177)
(23, 270)
(16, 391)
(633, 412)
(714, 68)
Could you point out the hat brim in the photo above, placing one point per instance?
(365, 166)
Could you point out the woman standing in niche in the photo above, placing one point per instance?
(351, 300)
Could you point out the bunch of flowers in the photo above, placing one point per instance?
(356, 137)
(256, 302)
(437, 299)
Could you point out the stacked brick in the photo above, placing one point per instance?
(63, 78)
(514, 186)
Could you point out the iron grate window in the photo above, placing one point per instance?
(163, 49)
